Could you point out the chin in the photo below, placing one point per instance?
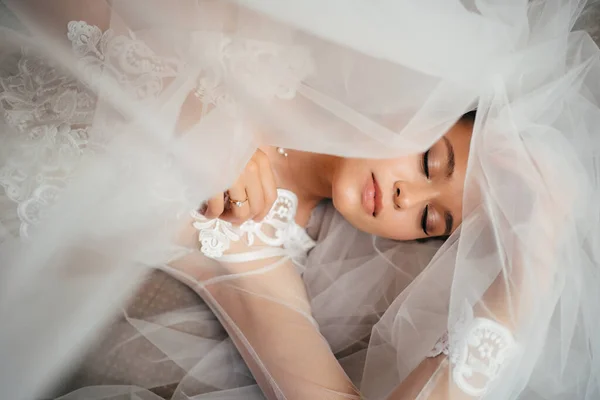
(338, 204)
(350, 214)
(347, 200)
(342, 199)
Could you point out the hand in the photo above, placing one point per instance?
(256, 185)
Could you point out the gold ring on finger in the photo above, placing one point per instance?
(238, 203)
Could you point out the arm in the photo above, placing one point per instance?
(515, 308)
(442, 377)
(281, 345)
(264, 307)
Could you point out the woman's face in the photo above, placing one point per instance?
(406, 198)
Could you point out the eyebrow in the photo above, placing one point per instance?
(449, 223)
(451, 162)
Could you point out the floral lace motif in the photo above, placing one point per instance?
(49, 114)
(277, 229)
(128, 62)
(478, 349)
(215, 235)
(264, 70)
(51, 111)
(483, 352)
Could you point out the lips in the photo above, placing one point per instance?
(371, 197)
(378, 198)
(368, 196)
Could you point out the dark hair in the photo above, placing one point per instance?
(469, 117)
(439, 239)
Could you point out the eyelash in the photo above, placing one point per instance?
(425, 166)
(425, 163)
(424, 220)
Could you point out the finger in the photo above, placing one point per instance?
(235, 213)
(269, 187)
(215, 207)
(254, 190)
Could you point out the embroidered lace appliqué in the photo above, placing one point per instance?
(481, 355)
(128, 61)
(215, 235)
(265, 70)
(277, 230)
(478, 349)
(51, 112)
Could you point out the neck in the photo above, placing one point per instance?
(311, 174)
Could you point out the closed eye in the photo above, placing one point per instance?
(424, 220)
(425, 163)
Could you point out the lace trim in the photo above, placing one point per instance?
(478, 350)
(277, 229)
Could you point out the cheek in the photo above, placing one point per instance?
(345, 191)
(344, 199)
(398, 226)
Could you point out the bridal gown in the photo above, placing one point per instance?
(114, 131)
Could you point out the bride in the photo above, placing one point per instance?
(109, 145)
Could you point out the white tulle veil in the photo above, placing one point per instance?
(346, 77)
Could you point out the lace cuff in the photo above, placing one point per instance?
(255, 248)
(478, 352)
(276, 235)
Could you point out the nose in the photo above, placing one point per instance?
(408, 195)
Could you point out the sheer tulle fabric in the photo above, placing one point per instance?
(116, 127)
